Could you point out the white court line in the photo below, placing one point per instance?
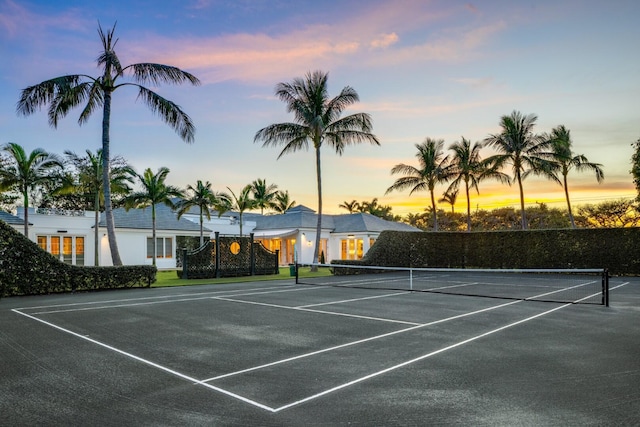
(150, 298)
(291, 289)
(352, 300)
(265, 407)
(417, 359)
(287, 307)
(425, 356)
(147, 362)
(388, 334)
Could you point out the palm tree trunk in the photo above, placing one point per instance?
(106, 182)
(201, 230)
(25, 200)
(466, 185)
(96, 235)
(316, 250)
(566, 193)
(435, 213)
(522, 212)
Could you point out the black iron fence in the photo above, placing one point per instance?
(228, 256)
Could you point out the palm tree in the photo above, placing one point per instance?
(26, 172)
(64, 93)
(242, 202)
(154, 191)
(450, 196)
(317, 121)
(90, 182)
(432, 170)
(525, 151)
(566, 160)
(282, 202)
(263, 194)
(352, 206)
(202, 197)
(467, 167)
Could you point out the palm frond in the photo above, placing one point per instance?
(169, 112)
(156, 74)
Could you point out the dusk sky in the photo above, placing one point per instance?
(440, 69)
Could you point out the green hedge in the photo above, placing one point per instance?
(25, 269)
(617, 249)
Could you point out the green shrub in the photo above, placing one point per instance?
(613, 248)
(25, 269)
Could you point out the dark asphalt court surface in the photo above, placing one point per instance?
(279, 354)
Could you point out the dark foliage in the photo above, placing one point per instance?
(25, 269)
(613, 248)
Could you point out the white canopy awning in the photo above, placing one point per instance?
(274, 234)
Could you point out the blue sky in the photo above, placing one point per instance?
(439, 69)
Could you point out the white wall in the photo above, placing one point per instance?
(62, 225)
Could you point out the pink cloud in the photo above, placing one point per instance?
(385, 40)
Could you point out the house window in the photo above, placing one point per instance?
(68, 249)
(352, 248)
(164, 247)
(42, 242)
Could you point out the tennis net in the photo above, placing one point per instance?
(578, 286)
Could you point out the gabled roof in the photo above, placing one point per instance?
(359, 222)
(11, 219)
(297, 217)
(166, 219)
(303, 217)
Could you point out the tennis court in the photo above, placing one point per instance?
(281, 353)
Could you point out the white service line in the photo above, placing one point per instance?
(147, 362)
(353, 300)
(151, 298)
(287, 307)
(376, 337)
(417, 359)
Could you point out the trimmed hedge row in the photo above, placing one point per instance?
(25, 269)
(617, 249)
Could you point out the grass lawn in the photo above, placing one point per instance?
(167, 278)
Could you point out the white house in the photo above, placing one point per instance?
(70, 235)
(345, 236)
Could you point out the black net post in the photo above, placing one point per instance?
(605, 287)
(252, 256)
(296, 270)
(185, 265)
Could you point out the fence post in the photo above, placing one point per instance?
(185, 270)
(217, 236)
(252, 256)
(277, 267)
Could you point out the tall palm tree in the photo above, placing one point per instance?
(240, 203)
(433, 169)
(468, 167)
(64, 93)
(567, 160)
(202, 197)
(317, 121)
(154, 191)
(264, 194)
(352, 206)
(524, 150)
(90, 173)
(26, 172)
(450, 196)
(283, 202)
